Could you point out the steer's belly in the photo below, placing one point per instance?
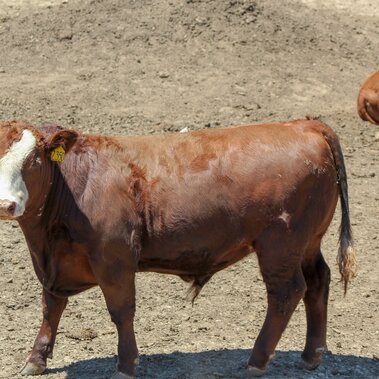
(201, 262)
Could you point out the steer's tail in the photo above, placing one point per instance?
(346, 254)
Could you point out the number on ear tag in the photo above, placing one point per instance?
(57, 155)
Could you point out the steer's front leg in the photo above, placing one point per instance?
(120, 298)
(52, 309)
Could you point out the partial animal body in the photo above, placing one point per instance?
(368, 99)
(97, 209)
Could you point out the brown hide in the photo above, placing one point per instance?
(188, 204)
(368, 99)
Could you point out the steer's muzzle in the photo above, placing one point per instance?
(7, 208)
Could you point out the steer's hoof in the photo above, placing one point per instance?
(31, 368)
(255, 371)
(120, 375)
(308, 365)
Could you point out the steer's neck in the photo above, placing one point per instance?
(58, 219)
(57, 203)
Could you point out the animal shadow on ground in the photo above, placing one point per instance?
(225, 363)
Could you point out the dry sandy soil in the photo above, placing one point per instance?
(144, 66)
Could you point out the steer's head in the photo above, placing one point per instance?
(25, 164)
(368, 99)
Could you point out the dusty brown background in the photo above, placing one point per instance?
(126, 67)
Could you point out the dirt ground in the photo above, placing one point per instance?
(144, 66)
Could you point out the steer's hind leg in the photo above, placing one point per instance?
(285, 284)
(53, 308)
(317, 277)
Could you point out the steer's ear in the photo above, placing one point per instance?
(64, 138)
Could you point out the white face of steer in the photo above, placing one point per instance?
(12, 185)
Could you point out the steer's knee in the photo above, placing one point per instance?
(121, 315)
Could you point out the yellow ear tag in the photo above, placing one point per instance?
(57, 155)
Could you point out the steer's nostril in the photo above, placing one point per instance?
(11, 207)
(7, 208)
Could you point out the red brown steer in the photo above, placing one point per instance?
(368, 99)
(187, 204)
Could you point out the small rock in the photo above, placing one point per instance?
(2, 70)
(201, 21)
(376, 138)
(65, 35)
(164, 75)
(184, 130)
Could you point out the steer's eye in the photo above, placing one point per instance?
(34, 160)
(37, 161)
